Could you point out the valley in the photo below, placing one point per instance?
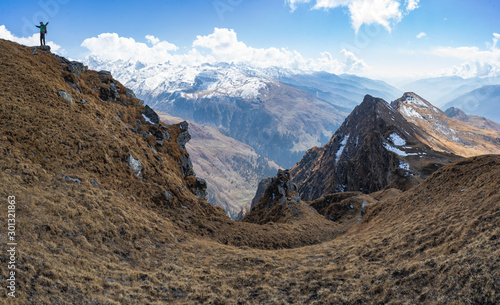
(396, 202)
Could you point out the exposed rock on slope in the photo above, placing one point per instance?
(443, 133)
(375, 147)
(281, 204)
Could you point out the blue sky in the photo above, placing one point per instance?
(376, 38)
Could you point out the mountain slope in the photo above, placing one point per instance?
(280, 123)
(374, 148)
(232, 169)
(444, 133)
(483, 101)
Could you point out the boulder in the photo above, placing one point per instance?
(44, 48)
(104, 73)
(65, 96)
(201, 188)
(135, 165)
(76, 180)
(129, 93)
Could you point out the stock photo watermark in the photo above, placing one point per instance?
(363, 38)
(48, 9)
(223, 6)
(11, 246)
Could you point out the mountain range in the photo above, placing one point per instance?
(238, 98)
(444, 89)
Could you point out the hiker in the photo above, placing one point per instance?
(43, 31)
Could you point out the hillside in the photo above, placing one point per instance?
(483, 101)
(232, 169)
(109, 211)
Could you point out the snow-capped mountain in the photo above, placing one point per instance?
(249, 104)
(205, 80)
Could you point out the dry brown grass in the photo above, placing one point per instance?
(120, 243)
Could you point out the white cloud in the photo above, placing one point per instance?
(383, 12)
(351, 64)
(412, 4)
(152, 39)
(293, 3)
(478, 62)
(220, 46)
(327, 4)
(421, 35)
(33, 40)
(496, 37)
(476, 69)
(110, 46)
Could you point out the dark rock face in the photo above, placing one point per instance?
(44, 48)
(201, 188)
(184, 136)
(104, 73)
(74, 67)
(129, 93)
(151, 115)
(373, 148)
(186, 165)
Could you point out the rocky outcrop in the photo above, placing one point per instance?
(279, 200)
(65, 96)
